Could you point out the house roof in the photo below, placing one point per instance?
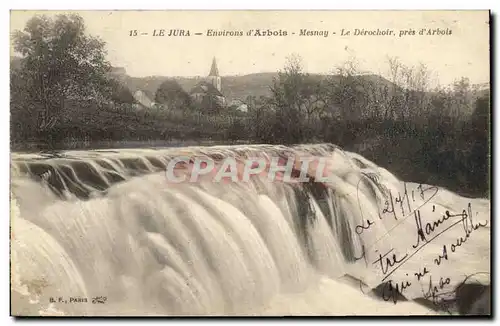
(213, 70)
(205, 87)
(146, 92)
(141, 97)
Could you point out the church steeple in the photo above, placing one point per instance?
(213, 70)
(213, 76)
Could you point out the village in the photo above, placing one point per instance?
(207, 91)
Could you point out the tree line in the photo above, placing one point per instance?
(63, 92)
(437, 135)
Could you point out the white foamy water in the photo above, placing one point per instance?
(108, 225)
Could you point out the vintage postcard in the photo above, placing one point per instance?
(250, 163)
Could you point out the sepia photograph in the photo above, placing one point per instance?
(250, 163)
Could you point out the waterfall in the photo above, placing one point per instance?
(106, 225)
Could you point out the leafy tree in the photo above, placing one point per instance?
(23, 114)
(119, 93)
(171, 94)
(59, 63)
(211, 104)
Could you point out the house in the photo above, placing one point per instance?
(143, 99)
(208, 92)
(238, 105)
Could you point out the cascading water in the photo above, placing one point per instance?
(107, 228)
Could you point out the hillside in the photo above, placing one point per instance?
(233, 87)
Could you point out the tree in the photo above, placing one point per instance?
(463, 98)
(119, 93)
(59, 63)
(171, 94)
(348, 90)
(211, 104)
(297, 99)
(23, 115)
(409, 100)
(261, 118)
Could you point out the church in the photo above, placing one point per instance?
(208, 93)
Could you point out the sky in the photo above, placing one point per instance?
(463, 53)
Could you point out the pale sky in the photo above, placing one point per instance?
(463, 53)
